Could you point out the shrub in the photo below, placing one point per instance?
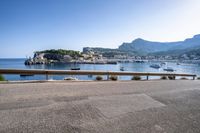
(163, 77)
(136, 78)
(2, 78)
(171, 77)
(184, 78)
(99, 78)
(113, 77)
(70, 78)
(198, 78)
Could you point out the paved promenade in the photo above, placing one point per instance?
(101, 107)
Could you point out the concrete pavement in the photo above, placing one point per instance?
(120, 107)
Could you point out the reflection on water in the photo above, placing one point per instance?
(136, 67)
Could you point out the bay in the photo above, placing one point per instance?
(132, 66)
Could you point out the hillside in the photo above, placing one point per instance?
(107, 52)
(61, 52)
(146, 47)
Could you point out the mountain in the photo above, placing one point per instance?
(178, 52)
(190, 43)
(146, 47)
(139, 46)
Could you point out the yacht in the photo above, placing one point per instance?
(156, 66)
(169, 69)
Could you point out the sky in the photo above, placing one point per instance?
(31, 25)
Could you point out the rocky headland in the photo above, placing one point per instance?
(66, 56)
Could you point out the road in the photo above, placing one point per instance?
(101, 107)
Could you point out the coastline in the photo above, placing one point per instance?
(131, 66)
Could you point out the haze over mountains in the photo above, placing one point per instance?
(143, 47)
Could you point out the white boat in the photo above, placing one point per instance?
(155, 66)
(169, 69)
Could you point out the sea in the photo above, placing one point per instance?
(18, 63)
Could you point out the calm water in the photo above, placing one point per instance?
(136, 67)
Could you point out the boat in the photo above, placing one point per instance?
(75, 68)
(155, 66)
(25, 75)
(112, 62)
(90, 76)
(139, 61)
(163, 63)
(169, 69)
(121, 68)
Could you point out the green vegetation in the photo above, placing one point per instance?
(99, 78)
(61, 52)
(171, 77)
(2, 78)
(108, 52)
(136, 78)
(113, 78)
(198, 78)
(163, 77)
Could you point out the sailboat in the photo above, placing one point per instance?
(75, 68)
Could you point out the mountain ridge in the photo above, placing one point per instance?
(141, 46)
(146, 47)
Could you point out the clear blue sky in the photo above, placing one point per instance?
(30, 25)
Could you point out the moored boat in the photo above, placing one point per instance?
(163, 63)
(139, 61)
(155, 66)
(25, 75)
(121, 68)
(169, 69)
(75, 68)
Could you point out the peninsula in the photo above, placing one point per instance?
(66, 56)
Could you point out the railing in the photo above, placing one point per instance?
(81, 72)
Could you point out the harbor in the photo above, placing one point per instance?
(120, 66)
